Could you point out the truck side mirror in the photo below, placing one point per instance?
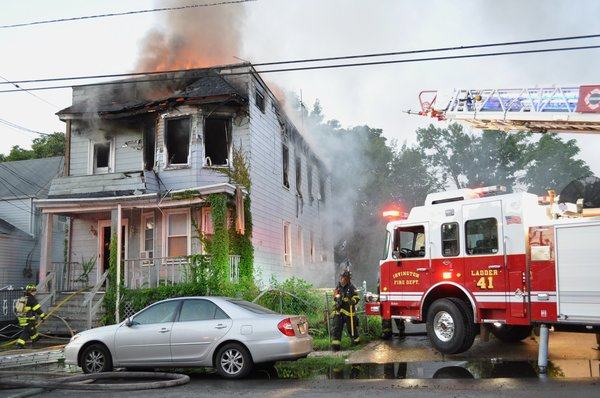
(396, 254)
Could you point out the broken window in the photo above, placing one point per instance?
(313, 249)
(216, 141)
(286, 163)
(149, 145)
(299, 175)
(177, 140)
(101, 157)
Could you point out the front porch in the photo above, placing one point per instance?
(143, 273)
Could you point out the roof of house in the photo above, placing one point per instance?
(28, 178)
(146, 93)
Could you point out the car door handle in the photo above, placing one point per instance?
(220, 326)
(163, 330)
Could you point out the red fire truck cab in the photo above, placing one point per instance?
(468, 258)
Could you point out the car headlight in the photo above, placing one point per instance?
(74, 338)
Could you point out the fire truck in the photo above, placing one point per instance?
(482, 258)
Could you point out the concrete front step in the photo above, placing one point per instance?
(69, 315)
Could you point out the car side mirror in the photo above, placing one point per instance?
(128, 322)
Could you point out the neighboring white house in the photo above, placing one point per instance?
(146, 152)
(21, 182)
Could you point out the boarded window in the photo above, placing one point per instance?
(286, 165)
(177, 140)
(216, 141)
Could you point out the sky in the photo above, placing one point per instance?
(282, 30)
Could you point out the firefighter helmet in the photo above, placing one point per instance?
(31, 288)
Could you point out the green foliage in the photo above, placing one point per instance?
(552, 164)
(110, 296)
(219, 245)
(87, 267)
(42, 147)
(241, 244)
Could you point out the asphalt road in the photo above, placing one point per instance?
(216, 388)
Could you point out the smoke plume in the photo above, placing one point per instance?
(193, 38)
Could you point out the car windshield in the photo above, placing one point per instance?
(248, 306)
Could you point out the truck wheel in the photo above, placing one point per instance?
(471, 328)
(447, 327)
(510, 333)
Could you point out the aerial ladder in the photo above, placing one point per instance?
(539, 109)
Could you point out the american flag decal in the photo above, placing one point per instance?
(513, 220)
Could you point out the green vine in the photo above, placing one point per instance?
(219, 246)
(110, 297)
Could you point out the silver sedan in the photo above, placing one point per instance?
(231, 335)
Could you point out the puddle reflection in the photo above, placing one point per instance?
(441, 370)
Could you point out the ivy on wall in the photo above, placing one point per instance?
(110, 297)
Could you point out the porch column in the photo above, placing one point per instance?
(46, 245)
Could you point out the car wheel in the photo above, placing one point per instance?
(510, 333)
(96, 359)
(233, 361)
(447, 327)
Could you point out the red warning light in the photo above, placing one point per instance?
(394, 214)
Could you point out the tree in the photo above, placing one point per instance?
(42, 147)
(552, 164)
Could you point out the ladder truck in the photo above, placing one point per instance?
(481, 258)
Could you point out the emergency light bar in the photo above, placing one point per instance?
(394, 214)
(491, 190)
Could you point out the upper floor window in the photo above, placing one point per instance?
(309, 178)
(285, 152)
(216, 141)
(101, 157)
(299, 175)
(259, 99)
(322, 188)
(177, 140)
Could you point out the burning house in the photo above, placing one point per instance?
(148, 154)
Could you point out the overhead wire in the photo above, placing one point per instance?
(323, 59)
(116, 14)
(305, 68)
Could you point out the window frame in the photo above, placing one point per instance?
(487, 237)
(456, 240)
(287, 244)
(166, 143)
(167, 235)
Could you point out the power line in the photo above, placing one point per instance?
(18, 127)
(116, 14)
(28, 92)
(338, 58)
(330, 66)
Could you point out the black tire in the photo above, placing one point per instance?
(96, 359)
(510, 333)
(447, 327)
(471, 328)
(233, 361)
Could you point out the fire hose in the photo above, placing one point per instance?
(81, 381)
(49, 314)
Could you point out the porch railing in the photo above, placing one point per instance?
(161, 271)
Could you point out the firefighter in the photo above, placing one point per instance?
(344, 311)
(27, 317)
